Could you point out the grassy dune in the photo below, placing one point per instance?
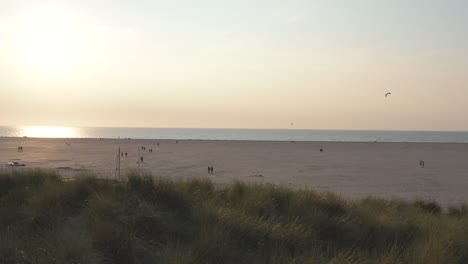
(154, 220)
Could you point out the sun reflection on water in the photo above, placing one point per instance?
(49, 131)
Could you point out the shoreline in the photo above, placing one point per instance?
(235, 140)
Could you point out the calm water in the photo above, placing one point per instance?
(236, 134)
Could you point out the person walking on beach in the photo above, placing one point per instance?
(211, 169)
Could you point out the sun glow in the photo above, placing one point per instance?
(49, 132)
(49, 40)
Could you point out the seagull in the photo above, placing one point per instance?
(387, 94)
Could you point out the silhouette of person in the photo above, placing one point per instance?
(125, 154)
(211, 169)
(141, 159)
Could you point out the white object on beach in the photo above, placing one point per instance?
(15, 164)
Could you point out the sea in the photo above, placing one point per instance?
(235, 134)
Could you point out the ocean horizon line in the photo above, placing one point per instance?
(316, 135)
(241, 128)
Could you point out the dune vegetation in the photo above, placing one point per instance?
(145, 219)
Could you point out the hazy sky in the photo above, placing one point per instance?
(243, 64)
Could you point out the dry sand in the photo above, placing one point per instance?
(350, 169)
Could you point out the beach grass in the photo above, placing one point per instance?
(147, 219)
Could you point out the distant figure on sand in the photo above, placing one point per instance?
(421, 163)
(141, 159)
(211, 169)
(321, 150)
(125, 154)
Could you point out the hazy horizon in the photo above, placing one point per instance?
(225, 128)
(245, 64)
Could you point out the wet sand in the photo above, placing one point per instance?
(353, 170)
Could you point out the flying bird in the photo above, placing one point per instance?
(387, 94)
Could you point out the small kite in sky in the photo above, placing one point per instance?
(387, 94)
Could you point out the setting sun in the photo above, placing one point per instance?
(49, 40)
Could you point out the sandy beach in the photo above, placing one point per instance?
(353, 170)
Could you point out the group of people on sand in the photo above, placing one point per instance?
(210, 169)
(421, 163)
(20, 148)
(141, 159)
(149, 150)
(67, 143)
